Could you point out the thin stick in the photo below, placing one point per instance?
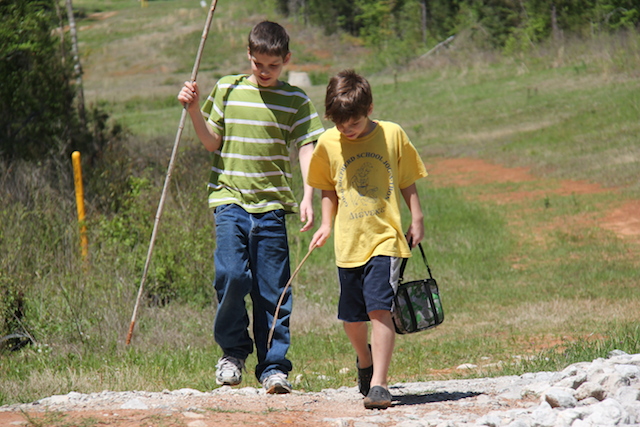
(194, 74)
(438, 46)
(284, 291)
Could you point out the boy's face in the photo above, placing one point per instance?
(266, 69)
(356, 127)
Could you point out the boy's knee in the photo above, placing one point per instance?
(380, 315)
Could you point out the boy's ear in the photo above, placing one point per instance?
(286, 59)
(249, 53)
(370, 110)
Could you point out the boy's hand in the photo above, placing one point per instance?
(189, 95)
(320, 237)
(306, 214)
(415, 234)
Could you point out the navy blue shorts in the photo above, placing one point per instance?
(367, 288)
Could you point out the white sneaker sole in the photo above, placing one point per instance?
(278, 389)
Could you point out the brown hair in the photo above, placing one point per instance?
(269, 38)
(348, 97)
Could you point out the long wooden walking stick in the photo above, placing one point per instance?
(284, 291)
(194, 74)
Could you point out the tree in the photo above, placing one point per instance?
(36, 97)
(77, 67)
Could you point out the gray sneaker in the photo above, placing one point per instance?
(277, 384)
(229, 370)
(378, 398)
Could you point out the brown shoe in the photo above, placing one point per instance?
(378, 398)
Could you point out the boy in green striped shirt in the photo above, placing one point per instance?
(250, 122)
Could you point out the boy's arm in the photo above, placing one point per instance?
(306, 205)
(329, 208)
(189, 96)
(415, 234)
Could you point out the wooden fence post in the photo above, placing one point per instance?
(77, 180)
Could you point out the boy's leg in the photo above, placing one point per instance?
(382, 342)
(379, 287)
(232, 284)
(271, 270)
(358, 334)
(383, 338)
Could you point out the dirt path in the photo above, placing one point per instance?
(623, 220)
(444, 400)
(321, 409)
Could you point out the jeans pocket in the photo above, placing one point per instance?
(277, 215)
(222, 208)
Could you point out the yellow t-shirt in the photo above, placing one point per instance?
(367, 174)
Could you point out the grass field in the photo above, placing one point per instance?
(527, 155)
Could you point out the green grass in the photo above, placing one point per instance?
(561, 125)
(530, 283)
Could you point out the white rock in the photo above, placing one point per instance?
(614, 381)
(483, 399)
(431, 415)
(248, 391)
(634, 359)
(597, 369)
(559, 397)
(411, 423)
(187, 392)
(567, 417)
(513, 393)
(535, 388)
(588, 401)
(57, 399)
(573, 381)
(609, 412)
(628, 371)
(581, 423)
(634, 411)
(489, 420)
(627, 395)
(613, 354)
(543, 416)
(134, 404)
(590, 389)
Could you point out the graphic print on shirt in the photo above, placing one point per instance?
(365, 183)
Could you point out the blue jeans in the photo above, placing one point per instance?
(252, 258)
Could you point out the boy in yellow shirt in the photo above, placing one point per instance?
(364, 168)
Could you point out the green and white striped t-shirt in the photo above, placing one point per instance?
(258, 126)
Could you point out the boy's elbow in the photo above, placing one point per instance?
(212, 142)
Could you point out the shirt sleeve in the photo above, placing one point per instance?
(320, 175)
(410, 165)
(307, 126)
(212, 109)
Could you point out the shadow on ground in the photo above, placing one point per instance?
(418, 399)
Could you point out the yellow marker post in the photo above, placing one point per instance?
(143, 3)
(77, 180)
